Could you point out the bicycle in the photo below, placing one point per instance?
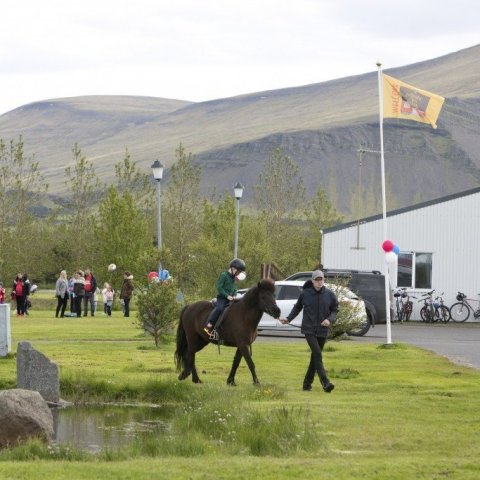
(434, 310)
(427, 312)
(442, 312)
(404, 308)
(460, 311)
(399, 295)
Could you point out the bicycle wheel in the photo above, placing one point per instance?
(443, 313)
(408, 310)
(459, 312)
(399, 311)
(426, 314)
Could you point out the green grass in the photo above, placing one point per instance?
(396, 413)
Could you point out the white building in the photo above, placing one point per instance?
(439, 245)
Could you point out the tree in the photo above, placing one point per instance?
(254, 247)
(182, 212)
(131, 179)
(320, 214)
(279, 197)
(279, 190)
(84, 187)
(213, 250)
(53, 242)
(122, 235)
(21, 186)
(158, 309)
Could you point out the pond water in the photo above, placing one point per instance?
(98, 427)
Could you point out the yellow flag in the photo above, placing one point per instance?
(401, 100)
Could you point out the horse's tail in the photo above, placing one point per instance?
(181, 351)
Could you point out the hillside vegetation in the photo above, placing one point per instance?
(321, 126)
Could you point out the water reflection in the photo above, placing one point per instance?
(94, 428)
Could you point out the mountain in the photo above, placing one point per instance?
(320, 126)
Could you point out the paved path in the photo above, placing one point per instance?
(459, 342)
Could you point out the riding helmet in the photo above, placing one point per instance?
(238, 263)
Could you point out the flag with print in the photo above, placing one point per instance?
(401, 100)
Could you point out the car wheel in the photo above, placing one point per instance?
(362, 329)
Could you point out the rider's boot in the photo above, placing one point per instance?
(209, 330)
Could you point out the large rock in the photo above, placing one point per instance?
(23, 414)
(37, 372)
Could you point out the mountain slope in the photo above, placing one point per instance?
(321, 126)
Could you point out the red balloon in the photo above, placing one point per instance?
(387, 246)
(151, 276)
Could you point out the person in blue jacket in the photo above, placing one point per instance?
(320, 306)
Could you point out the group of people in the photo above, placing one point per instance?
(319, 305)
(81, 290)
(20, 292)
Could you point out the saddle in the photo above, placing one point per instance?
(216, 335)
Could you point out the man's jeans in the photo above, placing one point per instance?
(89, 298)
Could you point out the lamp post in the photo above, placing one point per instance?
(157, 170)
(238, 192)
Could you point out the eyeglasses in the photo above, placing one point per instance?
(319, 279)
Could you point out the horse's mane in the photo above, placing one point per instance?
(251, 293)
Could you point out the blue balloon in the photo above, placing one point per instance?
(396, 249)
(164, 275)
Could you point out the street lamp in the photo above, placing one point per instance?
(157, 170)
(238, 192)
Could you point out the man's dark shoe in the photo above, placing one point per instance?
(307, 388)
(328, 387)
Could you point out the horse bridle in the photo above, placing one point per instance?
(269, 312)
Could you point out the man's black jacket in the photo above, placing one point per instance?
(317, 305)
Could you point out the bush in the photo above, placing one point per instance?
(349, 316)
(158, 309)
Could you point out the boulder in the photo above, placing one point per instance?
(23, 414)
(37, 372)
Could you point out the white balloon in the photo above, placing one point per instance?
(391, 257)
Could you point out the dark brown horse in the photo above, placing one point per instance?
(238, 329)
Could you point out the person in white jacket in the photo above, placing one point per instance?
(61, 292)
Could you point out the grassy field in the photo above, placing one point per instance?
(396, 413)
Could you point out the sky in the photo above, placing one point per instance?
(201, 50)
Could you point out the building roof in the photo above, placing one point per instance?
(399, 211)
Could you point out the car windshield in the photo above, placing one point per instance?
(287, 292)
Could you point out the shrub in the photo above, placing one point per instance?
(350, 314)
(158, 309)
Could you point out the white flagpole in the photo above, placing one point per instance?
(384, 203)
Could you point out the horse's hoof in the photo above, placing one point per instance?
(197, 381)
(231, 383)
